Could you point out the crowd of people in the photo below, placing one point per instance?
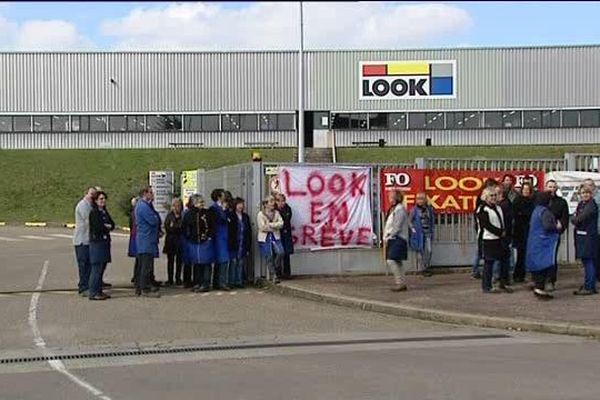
(506, 218)
(206, 247)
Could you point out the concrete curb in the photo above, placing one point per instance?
(36, 224)
(456, 318)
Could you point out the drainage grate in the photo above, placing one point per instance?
(176, 350)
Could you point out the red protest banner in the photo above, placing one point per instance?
(448, 191)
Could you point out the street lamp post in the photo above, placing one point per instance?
(301, 90)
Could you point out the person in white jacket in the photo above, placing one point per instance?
(395, 235)
(269, 224)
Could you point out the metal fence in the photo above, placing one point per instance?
(454, 241)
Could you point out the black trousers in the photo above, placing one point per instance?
(520, 272)
(488, 273)
(540, 278)
(187, 274)
(553, 273)
(174, 260)
(287, 269)
(145, 272)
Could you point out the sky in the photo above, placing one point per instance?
(114, 26)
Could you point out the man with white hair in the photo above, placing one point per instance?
(81, 239)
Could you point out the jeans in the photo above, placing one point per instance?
(590, 274)
(202, 273)
(424, 257)
(221, 274)
(236, 266)
(488, 272)
(146, 271)
(398, 270)
(274, 265)
(82, 254)
(511, 266)
(96, 273)
(173, 260)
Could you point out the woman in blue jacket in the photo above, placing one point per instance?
(542, 245)
(421, 223)
(586, 239)
(221, 239)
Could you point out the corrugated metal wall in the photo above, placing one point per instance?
(267, 81)
(127, 140)
(471, 137)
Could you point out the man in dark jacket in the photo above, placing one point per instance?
(559, 207)
(509, 216)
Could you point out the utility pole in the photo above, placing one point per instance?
(301, 90)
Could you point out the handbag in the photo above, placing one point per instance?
(397, 249)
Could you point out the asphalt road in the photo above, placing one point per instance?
(250, 344)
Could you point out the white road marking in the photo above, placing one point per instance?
(33, 237)
(7, 239)
(61, 235)
(232, 293)
(219, 293)
(57, 365)
(205, 294)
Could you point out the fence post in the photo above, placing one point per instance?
(256, 195)
(570, 162)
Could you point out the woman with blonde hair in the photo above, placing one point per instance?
(269, 224)
(494, 246)
(395, 238)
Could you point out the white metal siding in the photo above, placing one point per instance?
(267, 81)
(126, 140)
(472, 137)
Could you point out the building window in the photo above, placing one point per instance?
(98, 123)
(378, 121)
(463, 120)
(268, 122)
(192, 123)
(340, 121)
(230, 122)
(117, 123)
(22, 123)
(551, 119)
(358, 121)
(210, 123)
(286, 122)
(570, 118)
(136, 123)
(532, 119)
(5, 123)
(589, 118)
(397, 121)
(503, 119)
(426, 121)
(163, 123)
(80, 123)
(42, 123)
(201, 123)
(248, 122)
(60, 123)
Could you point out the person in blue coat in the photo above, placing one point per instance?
(221, 239)
(421, 224)
(148, 233)
(542, 244)
(586, 239)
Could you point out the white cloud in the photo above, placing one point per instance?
(210, 26)
(50, 35)
(35, 35)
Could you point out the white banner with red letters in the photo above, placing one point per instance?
(331, 206)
